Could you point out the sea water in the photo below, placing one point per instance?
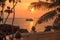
(23, 24)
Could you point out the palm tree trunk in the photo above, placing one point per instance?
(13, 19)
(35, 24)
(13, 14)
(14, 5)
(6, 18)
(2, 15)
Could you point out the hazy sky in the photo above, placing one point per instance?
(21, 10)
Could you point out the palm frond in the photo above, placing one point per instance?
(47, 16)
(14, 1)
(56, 24)
(8, 10)
(38, 4)
(54, 4)
(57, 20)
(10, 1)
(2, 0)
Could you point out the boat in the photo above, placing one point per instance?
(29, 19)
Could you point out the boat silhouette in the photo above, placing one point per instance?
(29, 19)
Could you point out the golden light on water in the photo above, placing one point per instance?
(31, 24)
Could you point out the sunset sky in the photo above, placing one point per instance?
(22, 11)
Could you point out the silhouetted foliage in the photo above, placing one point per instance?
(18, 35)
(56, 24)
(23, 30)
(58, 9)
(8, 10)
(1, 20)
(55, 3)
(38, 4)
(47, 16)
(14, 1)
(2, 35)
(7, 28)
(33, 29)
(2, 3)
(48, 28)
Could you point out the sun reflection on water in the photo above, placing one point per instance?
(31, 24)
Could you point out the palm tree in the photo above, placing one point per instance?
(38, 4)
(46, 17)
(56, 24)
(8, 10)
(56, 3)
(51, 15)
(14, 4)
(2, 4)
